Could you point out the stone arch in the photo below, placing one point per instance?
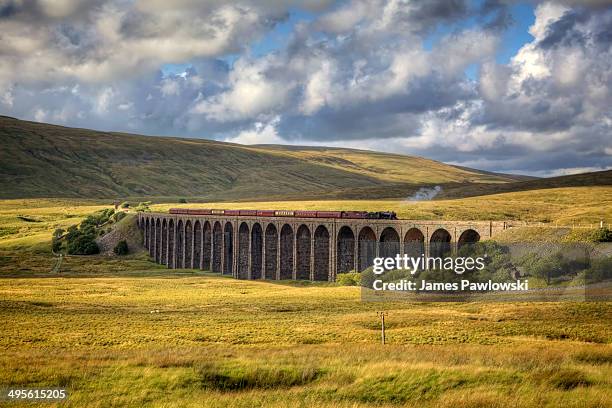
(147, 233)
(256, 251)
(345, 258)
(468, 237)
(228, 249)
(303, 248)
(286, 252)
(389, 243)
(207, 246)
(180, 244)
(243, 251)
(414, 243)
(171, 244)
(151, 235)
(366, 248)
(197, 245)
(270, 263)
(164, 242)
(188, 245)
(156, 237)
(217, 243)
(321, 254)
(158, 240)
(440, 243)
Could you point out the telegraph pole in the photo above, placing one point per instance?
(382, 325)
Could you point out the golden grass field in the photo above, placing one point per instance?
(127, 332)
(565, 206)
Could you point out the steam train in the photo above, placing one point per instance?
(376, 215)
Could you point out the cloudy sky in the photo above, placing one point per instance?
(498, 85)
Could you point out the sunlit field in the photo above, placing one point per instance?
(187, 339)
(566, 206)
(126, 332)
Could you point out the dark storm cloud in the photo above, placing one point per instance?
(563, 32)
(496, 15)
(429, 13)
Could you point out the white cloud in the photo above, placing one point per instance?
(260, 133)
(250, 93)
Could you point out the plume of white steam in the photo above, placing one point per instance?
(425, 193)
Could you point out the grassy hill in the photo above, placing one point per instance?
(41, 160)
(592, 179)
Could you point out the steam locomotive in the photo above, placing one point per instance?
(376, 215)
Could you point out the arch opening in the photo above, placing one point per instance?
(414, 243)
(171, 244)
(206, 246)
(256, 251)
(389, 245)
(440, 243)
(180, 244)
(217, 247)
(303, 248)
(158, 241)
(366, 248)
(321, 254)
(197, 245)
(164, 243)
(271, 252)
(147, 232)
(228, 249)
(345, 258)
(188, 245)
(467, 239)
(243, 251)
(286, 252)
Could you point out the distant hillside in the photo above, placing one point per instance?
(597, 178)
(41, 160)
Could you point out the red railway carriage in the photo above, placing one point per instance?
(287, 213)
(265, 213)
(306, 214)
(329, 214)
(199, 212)
(248, 212)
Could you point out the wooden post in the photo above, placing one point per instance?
(382, 326)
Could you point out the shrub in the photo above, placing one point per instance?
(82, 244)
(143, 207)
(125, 204)
(118, 216)
(182, 200)
(121, 248)
(602, 235)
(349, 279)
(56, 244)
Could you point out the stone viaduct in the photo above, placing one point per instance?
(315, 249)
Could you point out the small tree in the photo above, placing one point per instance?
(125, 204)
(121, 248)
(182, 200)
(602, 235)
